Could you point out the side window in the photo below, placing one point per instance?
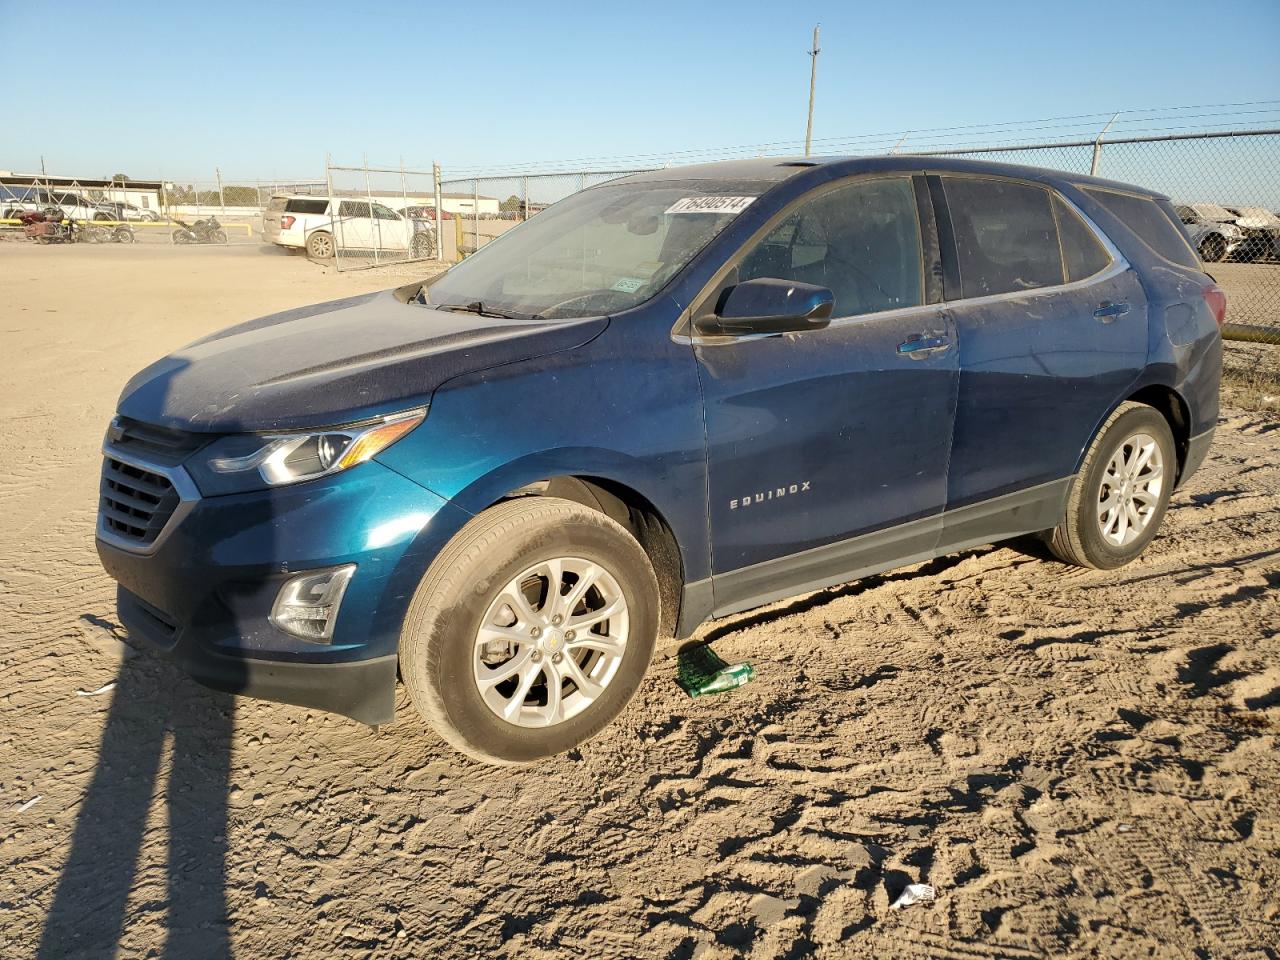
(384, 213)
(301, 205)
(1006, 238)
(1157, 229)
(862, 242)
(1082, 252)
(354, 208)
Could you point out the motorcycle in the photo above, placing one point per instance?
(92, 232)
(202, 231)
(48, 226)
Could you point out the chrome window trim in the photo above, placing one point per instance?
(1118, 265)
(183, 485)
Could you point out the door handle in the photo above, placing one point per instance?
(919, 346)
(1108, 311)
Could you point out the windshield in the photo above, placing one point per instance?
(600, 251)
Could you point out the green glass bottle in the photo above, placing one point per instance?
(700, 671)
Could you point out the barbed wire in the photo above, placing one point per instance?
(1266, 112)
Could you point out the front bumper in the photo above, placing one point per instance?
(202, 594)
(361, 689)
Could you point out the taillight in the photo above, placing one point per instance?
(1216, 299)
(286, 222)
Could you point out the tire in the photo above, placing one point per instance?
(423, 246)
(181, 236)
(218, 236)
(320, 245)
(441, 653)
(124, 235)
(1213, 248)
(1088, 537)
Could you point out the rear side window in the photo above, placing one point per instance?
(1156, 228)
(1082, 252)
(354, 208)
(300, 205)
(1006, 236)
(861, 241)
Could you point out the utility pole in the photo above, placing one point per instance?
(813, 79)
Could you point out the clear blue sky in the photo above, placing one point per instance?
(265, 89)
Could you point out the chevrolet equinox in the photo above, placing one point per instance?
(667, 398)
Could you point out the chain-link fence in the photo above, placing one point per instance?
(373, 216)
(1226, 189)
(141, 211)
(1225, 186)
(483, 208)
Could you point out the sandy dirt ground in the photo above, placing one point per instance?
(1081, 763)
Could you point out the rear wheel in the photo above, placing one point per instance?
(531, 630)
(181, 236)
(320, 246)
(1212, 248)
(1120, 495)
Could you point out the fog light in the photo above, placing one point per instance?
(307, 605)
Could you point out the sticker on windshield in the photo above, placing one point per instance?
(710, 205)
(628, 285)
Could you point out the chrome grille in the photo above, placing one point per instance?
(135, 503)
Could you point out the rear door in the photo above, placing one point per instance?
(1052, 324)
(818, 438)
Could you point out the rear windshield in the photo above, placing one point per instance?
(276, 204)
(306, 205)
(1157, 227)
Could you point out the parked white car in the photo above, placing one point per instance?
(1211, 228)
(301, 221)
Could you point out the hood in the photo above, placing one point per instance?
(333, 363)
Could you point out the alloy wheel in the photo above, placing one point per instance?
(550, 642)
(1131, 487)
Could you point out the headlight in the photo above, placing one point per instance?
(244, 462)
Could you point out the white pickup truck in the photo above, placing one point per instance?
(357, 226)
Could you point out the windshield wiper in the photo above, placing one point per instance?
(480, 310)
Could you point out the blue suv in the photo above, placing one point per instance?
(667, 398)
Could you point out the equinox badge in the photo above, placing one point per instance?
(777, 493)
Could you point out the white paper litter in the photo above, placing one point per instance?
(93, 693)
(915, 893)
(30, 803)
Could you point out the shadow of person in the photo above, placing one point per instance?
(152, 704)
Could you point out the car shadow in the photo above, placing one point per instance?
(152, 706)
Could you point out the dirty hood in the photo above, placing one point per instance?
(333, 363)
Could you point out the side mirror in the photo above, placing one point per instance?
(767, 306)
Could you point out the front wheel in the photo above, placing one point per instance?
(423, 246)
(1119, 497)
(218, 236)
(531, 630)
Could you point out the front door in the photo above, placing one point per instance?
(828, 449)
(1053, 333)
